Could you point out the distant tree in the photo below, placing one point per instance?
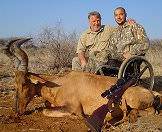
(57, 45)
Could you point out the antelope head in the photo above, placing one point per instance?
(12, 48)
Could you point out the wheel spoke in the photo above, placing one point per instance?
(143, 70)
(136, 70)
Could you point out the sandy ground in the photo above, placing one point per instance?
(35, 121)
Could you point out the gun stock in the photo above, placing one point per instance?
(96, 120)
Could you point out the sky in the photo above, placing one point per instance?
(28, 17)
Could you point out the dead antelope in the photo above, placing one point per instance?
(75, 93)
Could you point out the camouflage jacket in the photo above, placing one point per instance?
(131, 38)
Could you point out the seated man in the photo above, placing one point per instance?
(129, 39)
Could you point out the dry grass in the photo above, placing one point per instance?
(6, 66)
(47, 60)
(154, 56)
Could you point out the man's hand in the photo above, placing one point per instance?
(131, 21)
(82, 59)
(83, 64)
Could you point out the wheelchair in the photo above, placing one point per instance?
(131, 67)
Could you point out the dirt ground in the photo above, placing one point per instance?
(35, 121)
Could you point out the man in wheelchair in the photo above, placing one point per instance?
(128, 40)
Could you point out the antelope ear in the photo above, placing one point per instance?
(36, 79)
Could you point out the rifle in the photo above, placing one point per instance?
(114, 95)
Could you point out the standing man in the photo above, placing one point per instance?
(93, 47)
(129, 39)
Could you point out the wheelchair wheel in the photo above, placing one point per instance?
(138, 65)
(106, 70)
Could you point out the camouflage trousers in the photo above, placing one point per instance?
(91, 65)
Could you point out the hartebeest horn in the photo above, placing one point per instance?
(5, 48)
(11, 47)
(22, 63)
(5, 45)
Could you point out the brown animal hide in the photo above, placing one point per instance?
(75, 93)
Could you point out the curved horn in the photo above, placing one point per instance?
(5, 45)
(12, 48)
(22, 63)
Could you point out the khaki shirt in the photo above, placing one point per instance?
(95, 43)
(130, 38)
